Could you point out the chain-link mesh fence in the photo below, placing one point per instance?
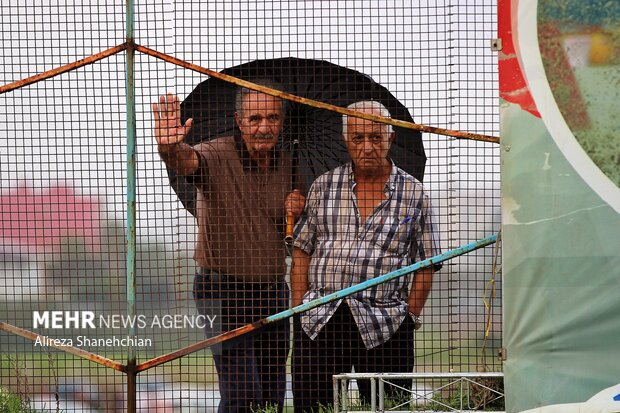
(65, 181)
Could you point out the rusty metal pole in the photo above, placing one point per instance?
(131, 203)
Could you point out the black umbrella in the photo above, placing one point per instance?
(318, 132)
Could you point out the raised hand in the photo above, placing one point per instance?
(170, 134)
(168, 128)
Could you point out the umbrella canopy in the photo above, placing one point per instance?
(318, 132)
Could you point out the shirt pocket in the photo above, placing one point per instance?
(393, 232)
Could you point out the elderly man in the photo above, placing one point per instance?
(242, 183)
(361, 220)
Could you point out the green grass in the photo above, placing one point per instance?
(469, 396)
(11, 403)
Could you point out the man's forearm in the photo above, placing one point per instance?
(299, 276)
(180, 157)
(420, 289)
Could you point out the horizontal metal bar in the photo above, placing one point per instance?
(468, 375)
(426, 411)
(384, 278)
(63, 69)
(9, 328)
(315, 303)
(314, 103)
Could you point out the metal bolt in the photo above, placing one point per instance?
(496, 45)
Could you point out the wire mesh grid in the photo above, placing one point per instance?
(445, 392)
(64, 184)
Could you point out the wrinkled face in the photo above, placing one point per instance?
(260, 122)
(368, 144)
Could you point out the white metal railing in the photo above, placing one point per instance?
(431, 392)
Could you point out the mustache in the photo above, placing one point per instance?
(265, 136)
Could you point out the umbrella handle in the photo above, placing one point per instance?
(290, 223)
(290, 218)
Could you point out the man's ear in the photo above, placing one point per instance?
(237, 118)
(392, 136)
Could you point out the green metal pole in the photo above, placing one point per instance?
(131, 203)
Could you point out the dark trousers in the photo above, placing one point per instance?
(251, 368)
(336, 349)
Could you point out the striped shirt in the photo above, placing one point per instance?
(345, 251)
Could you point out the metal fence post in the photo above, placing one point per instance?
(131, 202)
(336, 395)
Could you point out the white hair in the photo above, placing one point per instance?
(367, 106)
